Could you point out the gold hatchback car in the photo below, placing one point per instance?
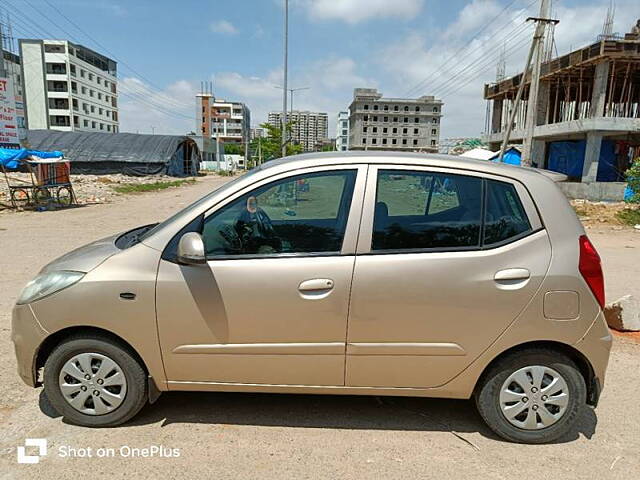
(359, 273)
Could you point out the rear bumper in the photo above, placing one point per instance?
(596, 348)
(27, 335)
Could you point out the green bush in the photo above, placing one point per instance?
(633, 178)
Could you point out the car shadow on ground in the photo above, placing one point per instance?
(324, 411)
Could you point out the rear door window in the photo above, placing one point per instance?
(426, 210)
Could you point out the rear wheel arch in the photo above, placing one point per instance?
(56, 338)
(583, 364)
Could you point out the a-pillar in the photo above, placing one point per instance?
(591, 157)
(599, 95)
(496, 117)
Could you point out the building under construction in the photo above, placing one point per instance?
(588, 113)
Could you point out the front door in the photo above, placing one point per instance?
(270, 306)
(446, 262)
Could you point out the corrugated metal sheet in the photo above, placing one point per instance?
(107, 147)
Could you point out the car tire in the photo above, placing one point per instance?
(123, 388)
(539, 421)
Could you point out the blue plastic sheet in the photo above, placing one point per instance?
(10, 158)
(568, 158)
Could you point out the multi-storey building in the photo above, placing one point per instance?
(68, 87)
(405, 124)
(12, 71)
(307, 128)
(258, 132)
(342, 132)
(228, 122)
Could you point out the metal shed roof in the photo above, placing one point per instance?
(107, 147)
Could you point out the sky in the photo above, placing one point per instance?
(449, 49)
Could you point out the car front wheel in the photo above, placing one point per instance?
(532, 396)
(95, 382)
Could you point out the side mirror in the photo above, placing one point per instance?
(191, 249)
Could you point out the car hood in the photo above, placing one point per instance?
(85, 258)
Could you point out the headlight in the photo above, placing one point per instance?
(48, 283)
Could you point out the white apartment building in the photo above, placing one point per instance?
(68, 87)
(342, 132)
(307, 129)
(229, 122)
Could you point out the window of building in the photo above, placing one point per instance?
(384, 130)
(395, 130)
(374, 140)
(93, 109)
(366, 107)
(434, 120)
(108, 128)
(385, 119)
(404, 141)
(406, 108)
(375, 129)
(395, 108)
(85, 123)
(91, 92)
(93, 124)
(100, 111)
(424, 210)
(344, 132)
(72, 70)
(364, 129)
(415, 141)
(386, 107)
(384, 141)
(106, 84)
(375, 107)
(435, 109)
(84, 90)
(417, 108)
(395, 119)
(99, 80)
(307, 213)
(505, 217)
(415, 131)
(375, 118)
(434, 131)
(405, 131)
(74, 87)
(406, 119)
(417, 120)
(433, 143)
(365, 118)
(102, 126)
(364, 140)
(394, 141)
(48, 48)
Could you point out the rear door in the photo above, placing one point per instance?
(446, 261)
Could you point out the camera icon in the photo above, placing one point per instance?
(41, 443)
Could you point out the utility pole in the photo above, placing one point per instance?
(532, 107)
(283, 135)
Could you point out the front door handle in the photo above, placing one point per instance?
(512, 274)
(316, 284)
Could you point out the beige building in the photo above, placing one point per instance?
(308, 128)
(404, 124)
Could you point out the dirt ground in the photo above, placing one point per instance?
(287, 436)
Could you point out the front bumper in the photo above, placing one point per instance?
(27, 335)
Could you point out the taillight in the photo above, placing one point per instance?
(591, 269)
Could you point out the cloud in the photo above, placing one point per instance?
(168, 111)
(456, 69)
(223, 27)
(355, 11)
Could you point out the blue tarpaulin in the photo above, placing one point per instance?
(10, 157)
(568, 158)
(511, 157)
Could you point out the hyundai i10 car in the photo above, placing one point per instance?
(360, 273)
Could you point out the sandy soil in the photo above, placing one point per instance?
(287, 436)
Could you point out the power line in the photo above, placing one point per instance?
(441, 68)
(149, 102)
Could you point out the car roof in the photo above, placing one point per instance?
(407, 158)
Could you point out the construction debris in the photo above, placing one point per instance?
(624, 314)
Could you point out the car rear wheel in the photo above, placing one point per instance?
(95, 382)
(532, 396)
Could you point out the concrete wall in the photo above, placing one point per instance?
(33, 77)
(595, 191)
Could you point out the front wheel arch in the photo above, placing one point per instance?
(584, 366)
(56, 338)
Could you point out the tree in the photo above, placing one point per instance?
(271, 144)
(233, 149)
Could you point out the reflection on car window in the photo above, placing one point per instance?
(505, 217)
(418, 210)
(300, 214)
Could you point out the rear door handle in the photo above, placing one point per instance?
(512, 274)
(316, 284)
